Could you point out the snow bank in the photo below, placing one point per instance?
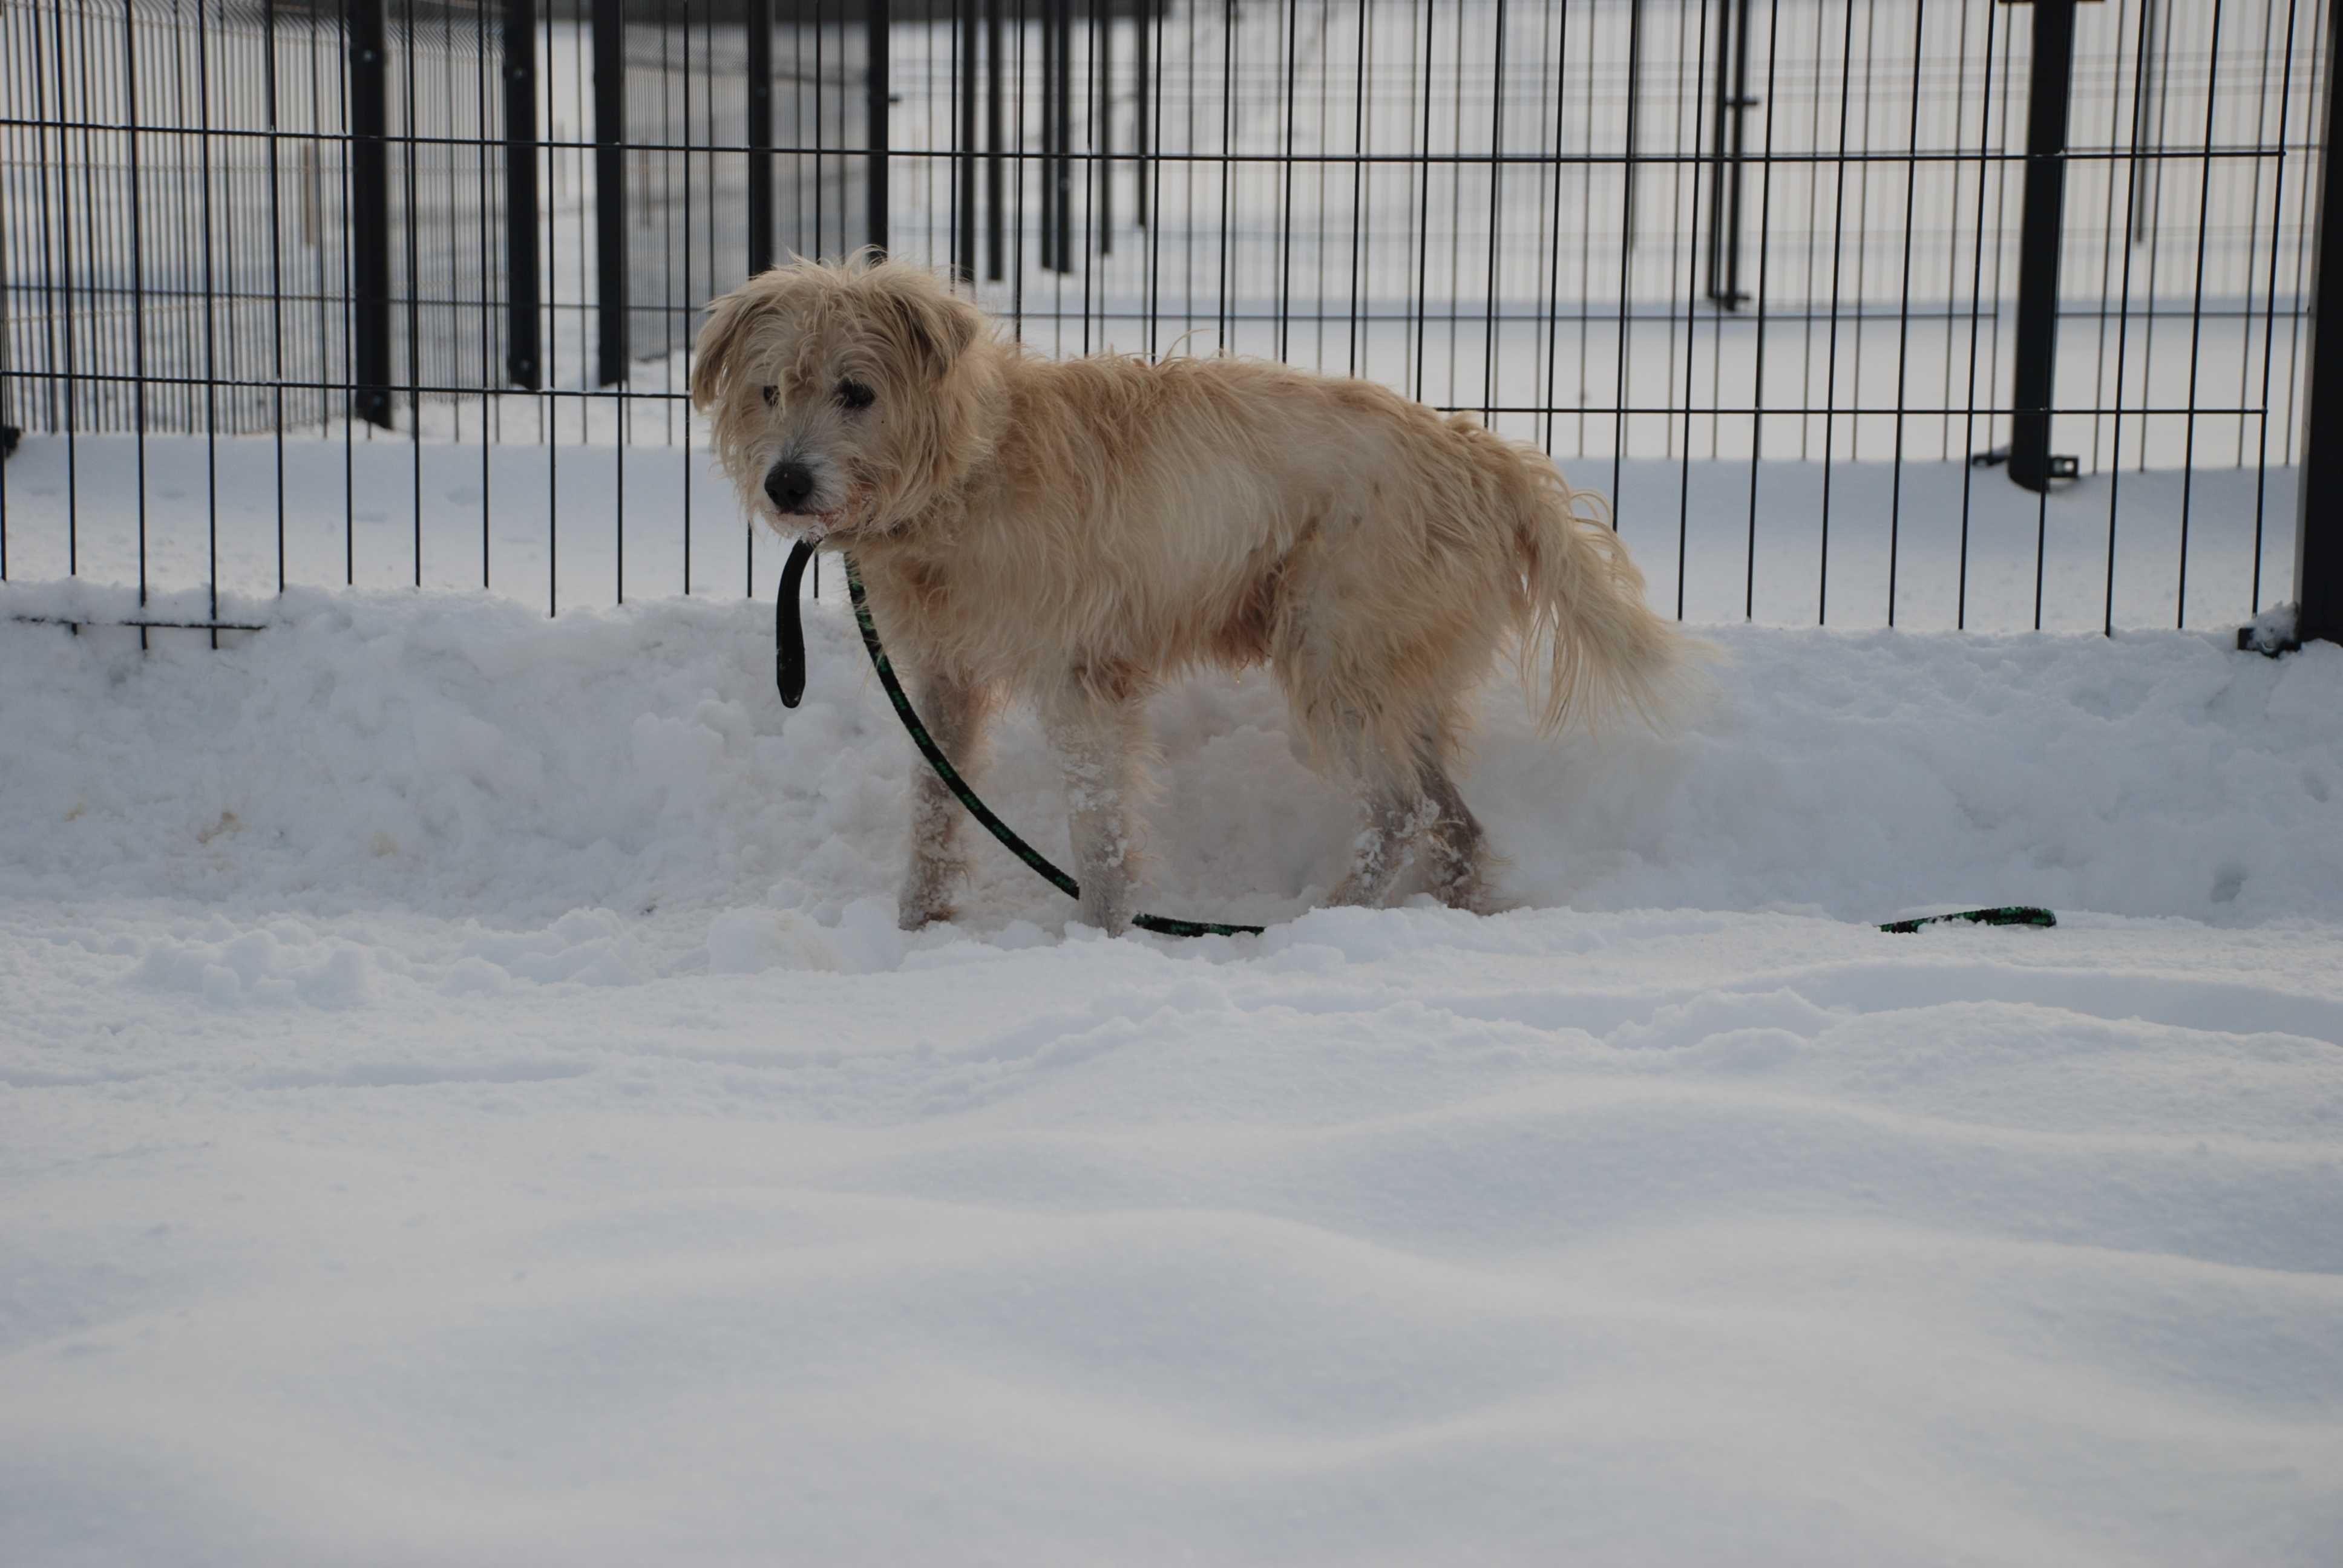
(463, 1100)
(462, 756)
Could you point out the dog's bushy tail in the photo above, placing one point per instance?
(1590, 647)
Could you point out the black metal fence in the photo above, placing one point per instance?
(389, 291)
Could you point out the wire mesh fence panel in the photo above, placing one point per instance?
(1752, 266)
(695, 156)
(446, 213)
(174, 219)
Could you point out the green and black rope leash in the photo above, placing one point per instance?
(789, 676)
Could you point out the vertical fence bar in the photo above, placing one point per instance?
(1050, 193)
(1141, 85)
(759, 21)
(524, 354)
(964, 146)
(879, 27)
(138, 288)
(1103, 126)
(66, 270)
(2049, 90)
(996, 143)
(1634, 106)
(1723, 103)
(207, 233)
(2147, 84)
(1058, 137)
(1731, 141)
(610, 25)
(276, 274)
(821, 99)
(10, 434)
(412, 278)
(2317, 537)
(370, 224)
(1060, 111)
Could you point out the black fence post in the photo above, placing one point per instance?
(1732, 100)
(612, 354)
(524, 355)
(370, 230)
(1050, 192)
(2048, 91)
(1057, 114)
(759, 23)
(879, 27)
(995, 145)
(2319, 494)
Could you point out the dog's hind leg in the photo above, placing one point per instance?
(1397, 815)
(1096, 737)
(1395, 819)
(954, 712)
(1456, 854)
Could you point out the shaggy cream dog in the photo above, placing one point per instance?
(1076, 532)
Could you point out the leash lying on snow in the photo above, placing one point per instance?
(789, 676)
(2000, 915)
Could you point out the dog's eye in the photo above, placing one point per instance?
(853, 394)
(771, 394)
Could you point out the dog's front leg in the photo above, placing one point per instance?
(1096, 738)
(954, 712)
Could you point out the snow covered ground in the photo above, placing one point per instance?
(463, 1097)
(463, 1100)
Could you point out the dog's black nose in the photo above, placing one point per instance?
(788, 485)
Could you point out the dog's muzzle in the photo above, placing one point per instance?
(788, 486)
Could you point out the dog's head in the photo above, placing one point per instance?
(846, 396)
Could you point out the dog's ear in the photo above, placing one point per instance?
(718, 347)
(935, 326)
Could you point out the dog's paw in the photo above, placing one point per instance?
(1485, 901)
(1104, 903)
(917, 917)
(925, 896)
(1472, 893)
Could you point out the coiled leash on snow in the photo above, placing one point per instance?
(789, 676)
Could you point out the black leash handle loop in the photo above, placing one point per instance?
(789, 631)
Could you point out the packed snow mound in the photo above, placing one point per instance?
(461, 756)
